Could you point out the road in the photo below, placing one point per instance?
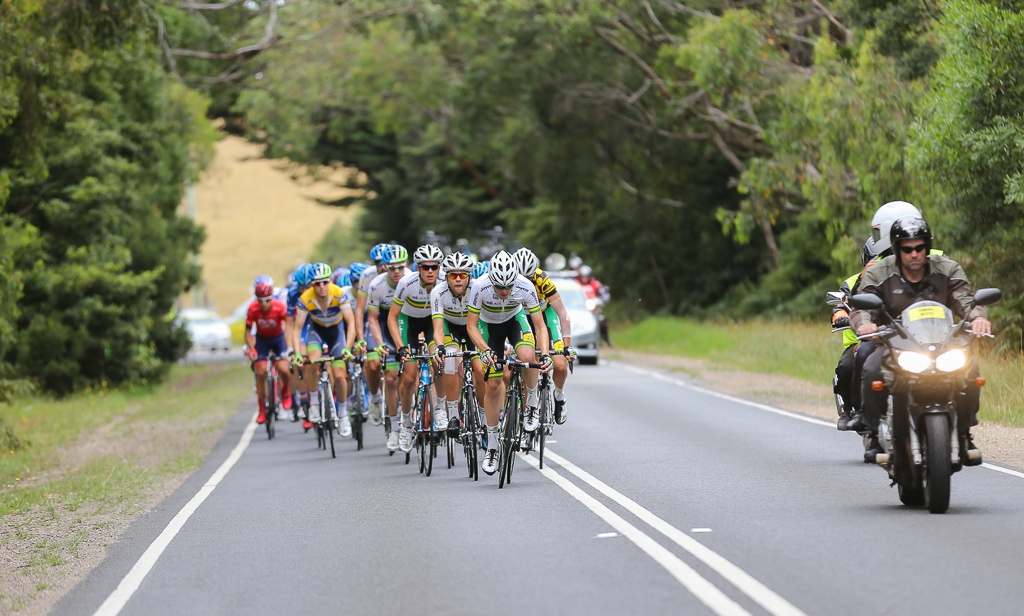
(657, 497)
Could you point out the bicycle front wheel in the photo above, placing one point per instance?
(470, 438)
(507, 444)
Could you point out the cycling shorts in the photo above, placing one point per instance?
(391, 360)
(265, 345)
(411, 328)
(516, 331)
(333, 336)
(554, 326)
(454, 334)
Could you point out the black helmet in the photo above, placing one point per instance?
(911, 228)
(868, 252)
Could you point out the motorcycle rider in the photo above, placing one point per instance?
(910, 275)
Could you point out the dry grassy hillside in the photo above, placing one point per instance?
(260, 216)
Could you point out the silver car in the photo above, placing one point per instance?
(585, 335)
(206, 329)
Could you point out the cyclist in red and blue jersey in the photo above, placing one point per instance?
(268, 315)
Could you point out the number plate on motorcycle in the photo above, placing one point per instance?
(927, 312)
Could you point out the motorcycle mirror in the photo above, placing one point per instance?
(987, 297)
(835, 298)
(866, 301)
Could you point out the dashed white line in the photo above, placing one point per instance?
(761, 594)
(706, 592)
(124, 591)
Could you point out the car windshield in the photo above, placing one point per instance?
(571, 294)
(201, 318)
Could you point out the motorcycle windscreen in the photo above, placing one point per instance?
(927, 322)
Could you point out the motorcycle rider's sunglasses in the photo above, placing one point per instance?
(458, 275)
(912, 249)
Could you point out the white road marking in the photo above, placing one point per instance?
(770, 409)
(703, 590)
(700, 530)
(124, 591)
(761, 594)
(606, 535)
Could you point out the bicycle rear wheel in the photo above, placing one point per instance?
(271, 403)
(545, 422)
(429, 441)
(328, 413)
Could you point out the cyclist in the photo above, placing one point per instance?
(332, 324)
(303, 277)
(382, 289)
(481, 269)
(336, 277)
(371, 369)
(557, 320)
(408, 317)
(497, 315)
(268, 315)
(449, 307)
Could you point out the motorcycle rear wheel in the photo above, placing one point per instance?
(911, 496)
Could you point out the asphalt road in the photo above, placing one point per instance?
(656, 498)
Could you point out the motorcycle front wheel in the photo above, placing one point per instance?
(938, 464)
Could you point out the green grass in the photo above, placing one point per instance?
(32, 476)
(802, 350)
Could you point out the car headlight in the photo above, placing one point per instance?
(951, 361)
(913, 362)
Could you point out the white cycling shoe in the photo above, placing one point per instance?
(405, 439)
(490, 464)
(345, 426)
(393, 441)
(440, 419)
(375, 412)
(531, 419)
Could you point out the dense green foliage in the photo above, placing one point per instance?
(704, 157)
(96, 144)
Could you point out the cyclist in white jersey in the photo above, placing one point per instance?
(409, 317)
(497, 312)
(371, 369)
(381, 291)
(449, 307)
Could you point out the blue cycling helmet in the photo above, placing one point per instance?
(355, 270)
(321, 271)
(394, 254)
(376, 252)
(481, 269)
(337, 274)
(263, 278)
(304, 275)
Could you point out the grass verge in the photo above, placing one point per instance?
(798, 349)
(87, 465)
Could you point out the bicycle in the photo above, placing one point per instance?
(547, 412)
(272, 394)
(357, 405)
(327, 424)
(427, 436)
(471, 433)
(511, 434)
(384, 405)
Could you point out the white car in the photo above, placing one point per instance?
(206, 329)
(585, 335)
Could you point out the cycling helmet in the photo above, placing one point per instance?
(457, 262)
(355, 270)
(504, 271)
(586, 271)
(376, 252)
(337, 274)
(527, 261)
(481, 269)
(263, 278)
(868, 252)
(427, 252)
(321, 271)
(264, 290)
(911, 228)
(291, 278)
(882, 221)
(394, 254)
(575, 261)
(304, 275)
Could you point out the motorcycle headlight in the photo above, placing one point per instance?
(951, 361)
(591, 304)
(913, 362)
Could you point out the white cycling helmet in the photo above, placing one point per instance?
(527, 261)
(457, 262)
(427, 252)
(882, 221)
(504, 270)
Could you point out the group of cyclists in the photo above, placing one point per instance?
(391, 309)
(901, 266)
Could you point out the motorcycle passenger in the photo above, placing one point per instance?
(910, 275)
(846, 384)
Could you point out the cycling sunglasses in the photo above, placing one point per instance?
(458, 275)
(318, 283)
(429, 268)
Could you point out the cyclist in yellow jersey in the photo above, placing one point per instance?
(332, 323)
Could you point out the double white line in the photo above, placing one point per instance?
(716, 600)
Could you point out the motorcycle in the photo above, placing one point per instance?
(926, 372)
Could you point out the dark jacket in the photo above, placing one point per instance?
(944, 282)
